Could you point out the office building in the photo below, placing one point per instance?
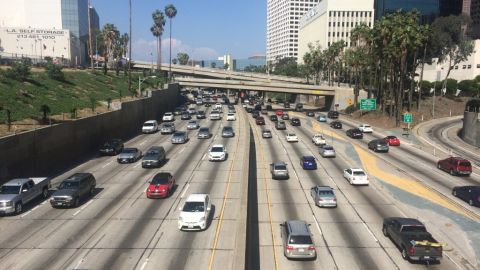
(283, 18)
(332, 21)
(429, 9)
(45, 22)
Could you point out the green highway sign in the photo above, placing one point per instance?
(368, 104)
(407, 118)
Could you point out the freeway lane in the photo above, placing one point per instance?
(122, 229)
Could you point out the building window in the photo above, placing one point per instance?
(464, 67)
(329, 33)
(469, 66)
(329, 24)
(478, 65)
(456, 67)
(333, 34)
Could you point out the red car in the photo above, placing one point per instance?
(392, 140)
(279, 112)
(455, 166)
(260, 120)
(161, 186)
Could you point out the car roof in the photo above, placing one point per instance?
(324, 188)
(130, 149)
(407, 221)
(298, 227)
(217, 145)
(150, 121)
(77, 177)
(196, 197)
(356, 170)
(17, 182)
(155, 148)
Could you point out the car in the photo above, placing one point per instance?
(260, 121)
(150, 126)
(207, 105)
(295, 121)
(255, 114)
(264, 111)
(470, 194)
(279, 112)
(111, 147)
(227, 132)
(200, 115)
(285, 116)
(73, 189)
(192, 111)
(279, 170)
(308, 163)
(167, 128)
(365, 128)
(378, 145)
(168, 117)
(327, 151)
(215, 115)
(232, 110)
(356, 176)
(179, 137)
(318, 139)
(355, 133)
(266, 134)
(195, 212)
(154, 157)
(323, 196)
(17, 192)
(286, 105)
(129, 155)
(310, 114)
(332, 114)
(321, 118)
(204, 133)
(178, 111)
(193, 124)
(269, 107)
(455, 166)
(217, 152)
(273, 118)
(299, 108)
(297, 240)
(291, 137)
(280, 125)
(199, 101)
(249, 109)
(336, 125)
(160, 186)
(186, 116)
(231, 117)
(392, 140)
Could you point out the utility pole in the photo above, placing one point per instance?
(130, 46)
(90, 34)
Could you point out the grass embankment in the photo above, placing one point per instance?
(79, 90)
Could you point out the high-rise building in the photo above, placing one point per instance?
(283, 18)
(40, 16)
(429, 9)
(451, 7)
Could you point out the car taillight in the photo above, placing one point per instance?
(411, 250)
(311, 248)
(290, 248)
(320, 199)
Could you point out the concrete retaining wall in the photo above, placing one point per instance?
(471, 128)
(50, 150)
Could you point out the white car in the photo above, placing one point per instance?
(168, 117)
(192, 125)
(195, 212)
(365, 128)
(292, 137)
(215, 115)
(356, 176)
(231, 117)
(150, 126)
(318, 139)
(218, 152)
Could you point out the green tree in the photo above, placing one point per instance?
(286, 66)
(45, 109)
(182, 58)
(174, 61)
(157, 31)
(469, 87)
(111, 37)
(226, 66)
(54, 71)
(19, 70)
(171, 12)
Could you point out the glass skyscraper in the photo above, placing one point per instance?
(429, 9)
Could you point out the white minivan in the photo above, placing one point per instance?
(195, 212)
(151, 126)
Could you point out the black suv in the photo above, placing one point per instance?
(336, 124)
(355, 133)
(111, 147)
(295, 122)
(154, 157)
(73, 189)
(332, 114)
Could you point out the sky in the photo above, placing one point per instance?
(204, 29)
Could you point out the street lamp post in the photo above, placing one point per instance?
(140, 81)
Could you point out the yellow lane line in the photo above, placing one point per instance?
(411, 186)
(225, 197)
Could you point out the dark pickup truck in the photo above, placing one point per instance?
(411, 236)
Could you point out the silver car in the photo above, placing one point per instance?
(327, 151)
(129, 155)
(297, 240)
(266, 134)
(179, 137)
(192, 124)
(204, 133)
(279, 170)
(167, 128)
(323, 196)
(378, 145)
(228, 132)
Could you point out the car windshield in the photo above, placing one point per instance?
(193, 207)
(192, 123)
(227, 129)
(178, 134)
(160, 179)
(290, 135)
(167, 114)
(204, 130)
(10, 190)
(280, 167)
(358, 173)
(129, 151)
(167, 125)
(414, 229)
(308, 158)
(217, 149)
(68, 185)
(391, 137)
(152, 152)
(300, 239)
(366, 126)
(266, 132)
(148, 125)
(327, 148)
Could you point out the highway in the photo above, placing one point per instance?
(119, 228)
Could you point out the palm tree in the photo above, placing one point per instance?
(110, 38)
(129, 46)
(157, 31)
(171, 12)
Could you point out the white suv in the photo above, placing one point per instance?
(194, 212)
(365, 128)
(217, 152)
(168, 117)
(150, 126)
(231, 117)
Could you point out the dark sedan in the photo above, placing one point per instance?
(186, 116)
(111, 147)
(295, 122)
(273, 118)
(308, 163)
(470, 194)
(336, 124)
(355, 133)
(378, 145)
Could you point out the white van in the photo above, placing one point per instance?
(151, 126)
